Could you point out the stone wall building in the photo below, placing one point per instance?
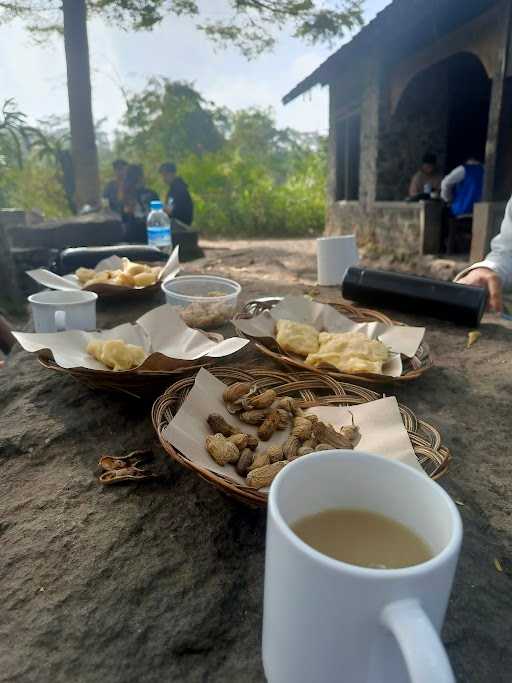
(421, 77)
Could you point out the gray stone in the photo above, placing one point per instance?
(164, 581)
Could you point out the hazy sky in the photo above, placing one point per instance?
(36, 76)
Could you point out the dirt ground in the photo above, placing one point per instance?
(163, 581)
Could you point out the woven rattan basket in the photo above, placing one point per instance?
(145, 384)
(412, 367)
(312, 390)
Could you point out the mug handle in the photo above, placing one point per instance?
(60, 321)
(422, 650)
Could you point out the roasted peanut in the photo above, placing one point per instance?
(236, 391)
(275, 453)
(323, 447)
(222, 450)
(253, 442)
(309, 443)
(291, 447)
(304, 450)
(219, 425)
(302, 428)
(253, 417)
(264, 476)
(241, 441)
(260, 401)
(284, 420)
(290, 405)
(269, 426)
(244, 462)
(260, 460)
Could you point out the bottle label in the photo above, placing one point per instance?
(159, 236)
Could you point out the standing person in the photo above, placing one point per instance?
(136, 198)
(427, 179)
(179, 203)
(113, 191)
(462, 188)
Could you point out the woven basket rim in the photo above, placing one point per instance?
(419, 364)
(425, 438)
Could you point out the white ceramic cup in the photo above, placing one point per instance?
(326, 621)
(56, 311)
(334, 255)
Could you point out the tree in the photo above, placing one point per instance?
(251, 26)
(173, 119)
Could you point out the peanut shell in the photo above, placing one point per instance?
(260, 460)
(269, 426)
(291, 447)
(236, 391)
(219, 425)
(264, 476)
(244, 462)
(253, 417)
(241, 441)
(222, 450)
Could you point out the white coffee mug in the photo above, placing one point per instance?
(334, 256)
(326, 621)
(56, 311)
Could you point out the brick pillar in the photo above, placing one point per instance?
(370, 110)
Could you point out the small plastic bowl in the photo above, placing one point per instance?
(205, 301)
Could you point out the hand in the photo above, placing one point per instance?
(485, 277)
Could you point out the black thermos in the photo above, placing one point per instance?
(422, 296)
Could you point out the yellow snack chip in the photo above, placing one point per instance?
(350, 352)
(297, 338)
(116, 354)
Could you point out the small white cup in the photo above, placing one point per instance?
(56, 311)
(329, 622)
(334, 256)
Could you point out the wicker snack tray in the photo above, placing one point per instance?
(313, 390)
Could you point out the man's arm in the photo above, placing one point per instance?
(448, 183)
(495, 271)
(413, 187)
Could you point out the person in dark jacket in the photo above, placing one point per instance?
(136, 198)
(179, 203)
(114, 189)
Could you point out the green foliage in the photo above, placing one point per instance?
(247, 177)
(251, 25)
(170, 118)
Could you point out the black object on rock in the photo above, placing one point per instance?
(89, 257)
(459, 304)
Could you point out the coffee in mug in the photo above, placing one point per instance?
(362, 538)
(329, 621)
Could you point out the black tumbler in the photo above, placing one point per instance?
(421, 296)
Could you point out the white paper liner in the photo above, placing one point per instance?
(400, 339)
(382, 429)
(70, 282)
(161, 331)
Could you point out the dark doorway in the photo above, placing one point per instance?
(470, 99)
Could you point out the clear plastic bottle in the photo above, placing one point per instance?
(158, 226)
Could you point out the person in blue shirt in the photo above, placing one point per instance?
(462, 188)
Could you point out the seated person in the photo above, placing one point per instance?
(136, 199)
(427, 179)
(113, 191)
(462, 188)
(179, 203)
(495, 272)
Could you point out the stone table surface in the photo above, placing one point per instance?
(163, 581)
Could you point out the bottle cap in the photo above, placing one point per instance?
(156, 205)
